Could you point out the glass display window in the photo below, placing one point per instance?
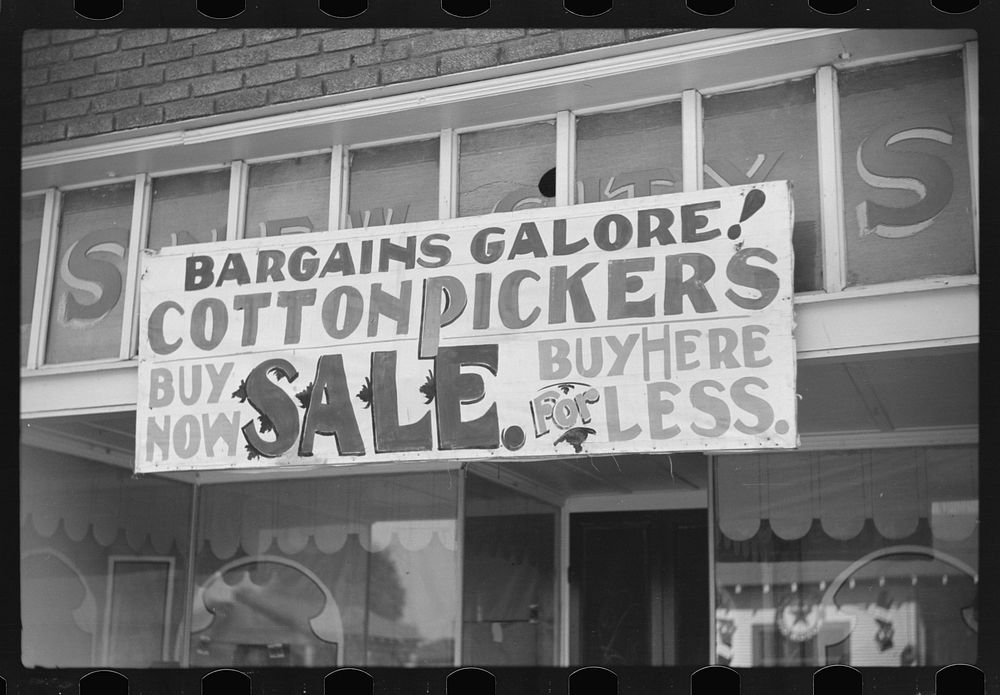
(188, 209)
(907, 191)
(288, 196)
(32, 211)
(393, 184)
(85, 321)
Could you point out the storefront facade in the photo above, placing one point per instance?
(859, 546)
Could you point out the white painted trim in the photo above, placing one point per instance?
(136, 240)
(166, 173)
(447, 174)
(385, 142)
(890, 288)
(338, 199)
(971, 55)
(942, 49)
(628, 105)
(67, 368)
(692, 121)
(759, 83)
(512, 123)
(344, 179)
(38, 311)
(831, 184)
(48, 256)
(565, 158)
(638, 501)
(695, 48)
(287, 155)
(167, 610)
(459, 568)
(237, 200)
(98, 183)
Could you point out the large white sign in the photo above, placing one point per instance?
(641, 325)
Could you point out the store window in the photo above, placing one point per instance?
(507, 169)
(32, 209)
(628, 154)
(103, 562)
(393, 184)
(346, 570)
(907, 195)
(188, 209)
(85, 322)
(508, 581)
(769, 134)
(289, 196)
(867, 558)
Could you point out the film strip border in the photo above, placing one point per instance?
(956, 679)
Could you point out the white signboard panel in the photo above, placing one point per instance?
(641, 325)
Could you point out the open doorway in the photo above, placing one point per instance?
(639, 588)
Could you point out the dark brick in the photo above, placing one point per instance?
(73, 70)
(267, 74)
(32, 114)
(295, 90)
(256, 36)
(34, 38)
(169, 52)
(33, 78)
(189, 68)
(115, 101)
(109, 32)
(46, 132)
(172, 91)
(469, 59)
(423, 45)
(189, 108)
(369, 55)
(44, 56)
(214, 84)
(296, 48)
(137, 38)
(409, 70)
(140, 77)
(358, 78)
(44, 95)
(93, 85)
(386, 34)
(348, 38)
(528, 48)
(95, 46)
(81, 127)
(67, 35)
(476, 37)
(580, 39)
(66, 109)
(122, 60)
(137, 118)
(324, 64)
(222, 40)
(179, 34)
(244, 99)
(243, 58)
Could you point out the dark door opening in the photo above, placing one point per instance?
(639, 588)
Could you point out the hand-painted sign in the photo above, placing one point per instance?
(641, 325)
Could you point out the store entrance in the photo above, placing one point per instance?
(639, 588)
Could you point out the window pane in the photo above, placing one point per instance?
(867, 558)
(502, 170)
(508, 582)
(289, 197)
(86, 317)
(627, 154)
(394, 184)
(189, 209)
(31, 239)
(907, 200)
(76, 515)
(304, 572)
(769, 134)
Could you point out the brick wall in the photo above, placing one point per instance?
(78, 83)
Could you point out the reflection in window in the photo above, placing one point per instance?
(866, 558)
(907, 201)
(31, 238)
(336, 571)
(508, 585)
(189, 209)
(393, 184)
(505, 169)
(86, 317)
(769, 134)
(76, 517)
(289, 196)
(627, 154)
